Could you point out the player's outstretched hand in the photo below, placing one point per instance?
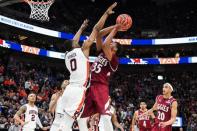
(110, 9)
(46, 128)
(85, 24)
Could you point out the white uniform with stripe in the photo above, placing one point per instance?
(59, 117)
(31, 118)
(74, 94)
(107, 119)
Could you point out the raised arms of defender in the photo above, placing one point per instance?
(87, 44)
(75, 40)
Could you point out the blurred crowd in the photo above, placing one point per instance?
(17, 78)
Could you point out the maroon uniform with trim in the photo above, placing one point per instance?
(144, 122)
(163, 112)
(98, 93)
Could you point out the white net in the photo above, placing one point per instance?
(39, 9)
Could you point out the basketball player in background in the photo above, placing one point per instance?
(143, 122)
(30, 112)
(56, 109)
(110, 114)
(166, 107)
(78, 65)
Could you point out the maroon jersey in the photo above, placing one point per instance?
(143, 121)
(102, 68)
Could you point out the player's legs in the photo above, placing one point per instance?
(105, 123)
(89, 109)
(82, 122)
(56, 126)
(73, 98)
(66, 123)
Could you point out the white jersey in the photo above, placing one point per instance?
(78, 65)
(59, 107)
(31, 116)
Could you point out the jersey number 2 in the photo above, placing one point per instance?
(33, 117)
(73, 64)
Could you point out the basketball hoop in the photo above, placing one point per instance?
(39, 9)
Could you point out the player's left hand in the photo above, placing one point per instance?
(46, 128)
(163, 124)
(85, 24)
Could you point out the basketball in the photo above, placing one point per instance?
(125, 20)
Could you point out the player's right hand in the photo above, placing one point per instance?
(110, 9)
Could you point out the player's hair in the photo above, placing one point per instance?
(119, 47)
(68, 44)
(32, 92)
(142, 101)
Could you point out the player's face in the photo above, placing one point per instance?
(113, 46)
(143, 105)
(166, 89)
(32, 98)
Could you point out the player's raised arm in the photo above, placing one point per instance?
(19, 113)
(116, 123)
(87, 44)
(107, 43)
(133, 121)
(100, 36)
(75, 40)
(173, 115)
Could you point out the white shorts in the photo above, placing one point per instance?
(27, 129)
(73, 99)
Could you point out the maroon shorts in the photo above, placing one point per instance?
(97, 98)
(156, 127)
(144, 129)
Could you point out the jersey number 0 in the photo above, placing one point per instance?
(73, 64)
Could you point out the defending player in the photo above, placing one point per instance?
(56, 108)
(78, 65)
(166, 107)
(107, 125)
(143, 122)
(31, 115)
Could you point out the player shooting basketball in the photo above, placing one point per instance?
(78, 65)
(97, 100)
